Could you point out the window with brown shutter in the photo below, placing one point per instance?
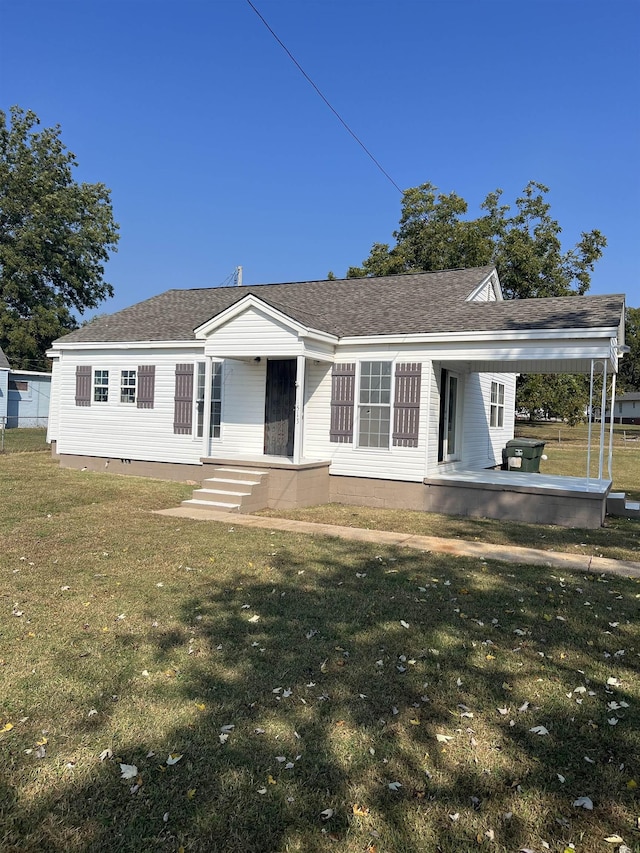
(183, 401)
(83, 385)
(343, 383)
(406, 407)
(146, 385)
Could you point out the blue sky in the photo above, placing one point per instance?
(218, 152)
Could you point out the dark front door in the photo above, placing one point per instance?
(279, 415)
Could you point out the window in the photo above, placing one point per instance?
(374, 409)
(216, 399)
(18, 385)
(128, 386)
(496, 417)
(101, 386)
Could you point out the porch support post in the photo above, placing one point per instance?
(206, 415)
(603, 407)
(298, 431)
(611, 416)
(590, 415)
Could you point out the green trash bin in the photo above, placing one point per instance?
(523, 454)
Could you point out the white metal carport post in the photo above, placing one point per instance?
(603, 409)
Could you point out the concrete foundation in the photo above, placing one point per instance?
(529, 498)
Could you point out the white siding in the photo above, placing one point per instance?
(4, 393)
(482, 444)
(120, 430)
(54, 403)
(253, 333)
(394, 463)
(435, 374)
(243, 399)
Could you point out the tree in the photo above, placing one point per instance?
(55, 236)
(630, 363)
(523, 243)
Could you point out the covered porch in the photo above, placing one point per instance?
(511, 495)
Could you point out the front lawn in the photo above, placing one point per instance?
(263, 691)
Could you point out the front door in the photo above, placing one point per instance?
(448, 439)
(280, 405)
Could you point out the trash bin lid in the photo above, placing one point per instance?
(525, 442)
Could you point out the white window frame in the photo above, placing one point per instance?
(496, 405)
(204, 400)
(126, 385)
(360, 405)
(100, 386)
(447, 454)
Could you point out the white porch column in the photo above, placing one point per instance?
(298, 431)
(603, 408)
(611, 416)
(206, 419)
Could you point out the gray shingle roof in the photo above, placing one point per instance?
(4, 363)
(389, 305)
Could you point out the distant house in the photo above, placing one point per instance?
(24, 396)
(626, 409)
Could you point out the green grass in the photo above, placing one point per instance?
(24, 440)
(566, 450)
(134, 633)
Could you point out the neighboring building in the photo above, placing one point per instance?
(4, 387)
(24, 396)
(354, 390)
(626, 409)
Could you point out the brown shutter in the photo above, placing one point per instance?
(83, 385)
(146, 385)
(183, 403)
(343, 384)
(406, 405)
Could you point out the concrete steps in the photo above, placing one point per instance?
(232, 490)
(618, 505)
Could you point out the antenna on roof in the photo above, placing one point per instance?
(238, 277)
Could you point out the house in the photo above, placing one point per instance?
(24, 396)
(626, 409)
(391, 391)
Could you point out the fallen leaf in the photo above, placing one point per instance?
(614, 839)
(393, 786)
(539, 730)
(129, 771)
(106, 753)
(326, 814)
(583, 802)
(444, 738)
(173, 758)
(361, 811)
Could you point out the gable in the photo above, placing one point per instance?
(252, 332)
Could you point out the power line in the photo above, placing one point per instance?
(333, 110)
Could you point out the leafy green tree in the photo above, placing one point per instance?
(562, 396)
(630, 363)
(55, 236)
(523, 243)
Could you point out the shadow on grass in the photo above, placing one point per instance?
(332, 699)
